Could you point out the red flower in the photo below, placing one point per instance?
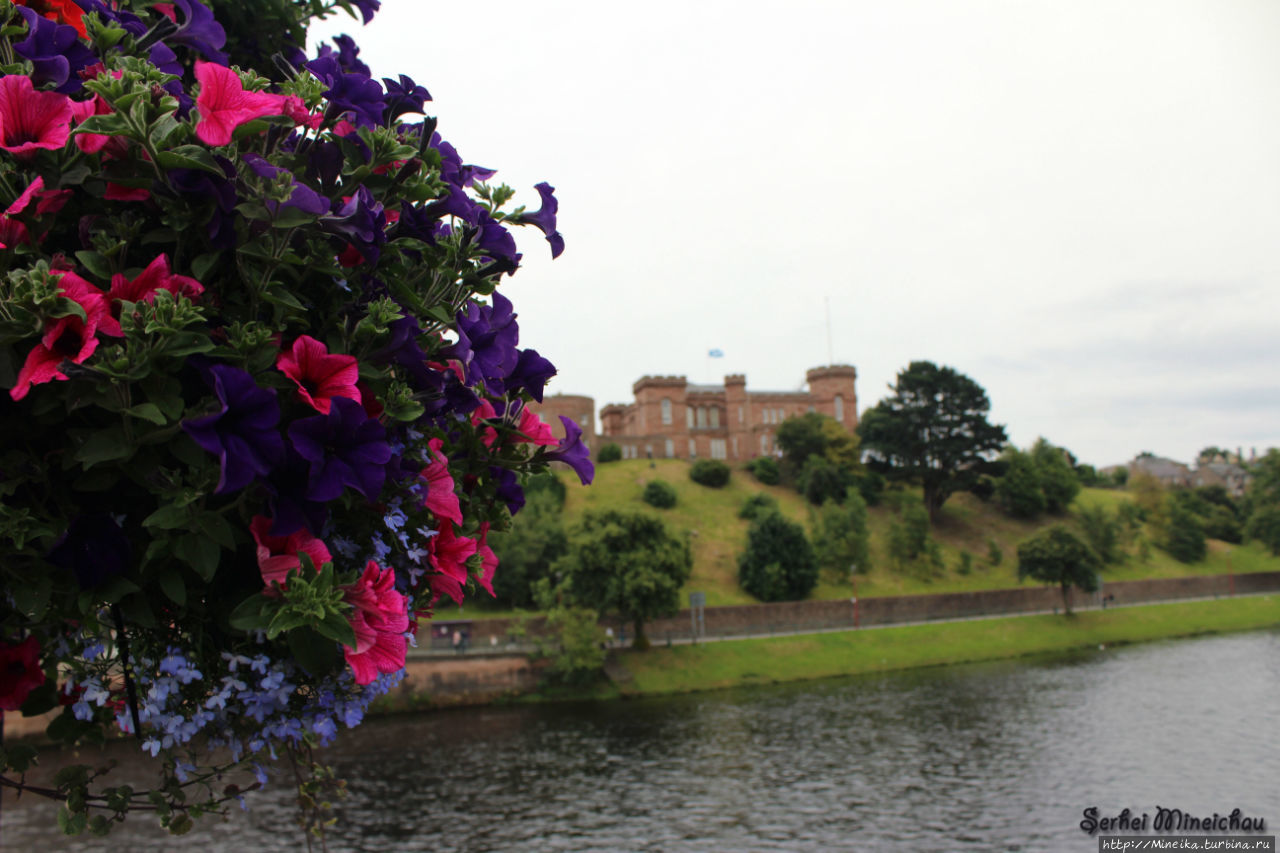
(224, 105)
(30, 120)
(488, 559)
(484, 412)
(449, 553)
(534, 429)
(380, 620)
(441, 498)
(59, 11)
(13, 232)
(119, 192)
(20, 672)
(66, 338)
(278, 555)
(319, 375)
(156, 277)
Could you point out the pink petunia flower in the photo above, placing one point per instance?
(143, 288)
(484, 412)
(66, 338)
(31, 120)
(295, 109)
(380, 620)
(448, 553)
(13, 232)
(488, 559)
(534, 429)
(224, 105)
(278, 555)
(441, 499)
(320, 376)
(20, 672)
(119, 192)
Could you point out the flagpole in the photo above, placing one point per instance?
(830, 358)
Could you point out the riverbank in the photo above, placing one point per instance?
(711, 666)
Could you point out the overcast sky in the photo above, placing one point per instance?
(1075, 203)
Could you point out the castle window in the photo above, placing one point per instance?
(742, 416)
(688, 410)
(670, 448)
(840, 408)
(702, 417)
(717, 447)
(715, 417)
(693, 449)
(764, 443)
(735, 446)
(666, 410)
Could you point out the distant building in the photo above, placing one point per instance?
(1228, 475)
(1167, 471)
(673, 418)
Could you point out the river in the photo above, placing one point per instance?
(999, 756)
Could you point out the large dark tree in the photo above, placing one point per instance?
(933, 431)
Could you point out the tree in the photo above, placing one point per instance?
(1264, 525)
(1183, 530)
(529, 549)
(629, 563)
(933, 431)
(820, 481)
(813, 436)
(1018, 492)
(909, 539)
(1058, 480)
(840, 538)
(779, 564)
(1056, 555)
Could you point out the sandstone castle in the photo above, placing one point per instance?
(674, 418)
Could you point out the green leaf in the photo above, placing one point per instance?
(181, 825)
(214, 526)
(252, 614)
(204, 264)
(71, 823)
(292, 217)
(105, 445)
(336, 627)
(189, 157)
(41, 700)
(313, 652)
(172, 584)
(168, 517)
(115, 589)
(281, 296)
(111, 124)
(137, 611)
(95, 263)
(148, 412)
(199, 553)
(31, 597)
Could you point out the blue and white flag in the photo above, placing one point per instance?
(716, 353)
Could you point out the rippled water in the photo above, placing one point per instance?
(985, 757)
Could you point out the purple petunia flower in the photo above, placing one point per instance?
(198, 187)
(367, 8)
(345, 448)
(303, 197)
(288, 506)
(56, 52)
(497, 244)
(573, 452)
(353, 93)
(531, 373)
(348, 55)
(243, 433)
(126, 20)
(361, 220)
(456, 203)
(545, 218)
(509, 490)
(404, 96)
(94, 549)
(453, 170)
(488, 335)
(199, 31)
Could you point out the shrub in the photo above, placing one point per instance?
(820, 481)
(1018, 491)
(1058, 480)
(965, 564)
(1056, 555)
(870, 485)
(779, 563)
(1102, 532)
(527, 551)
(840, 538)
(1183, 534)
(1264, 526)
(910, 545)
(983, 488)
(609, 453)
(549, 483)
(709, 472)
(994, 555)
(765, 469)
(660, 494)
(758, 505)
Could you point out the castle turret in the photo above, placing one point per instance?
(833, 393)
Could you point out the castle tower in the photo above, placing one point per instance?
(737, 417)
(833, 393)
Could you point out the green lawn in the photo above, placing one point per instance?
(724, 664)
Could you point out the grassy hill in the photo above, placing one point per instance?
(718, 536)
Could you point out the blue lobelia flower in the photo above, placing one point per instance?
(345, 448)
(573, 452)
(243, 432)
